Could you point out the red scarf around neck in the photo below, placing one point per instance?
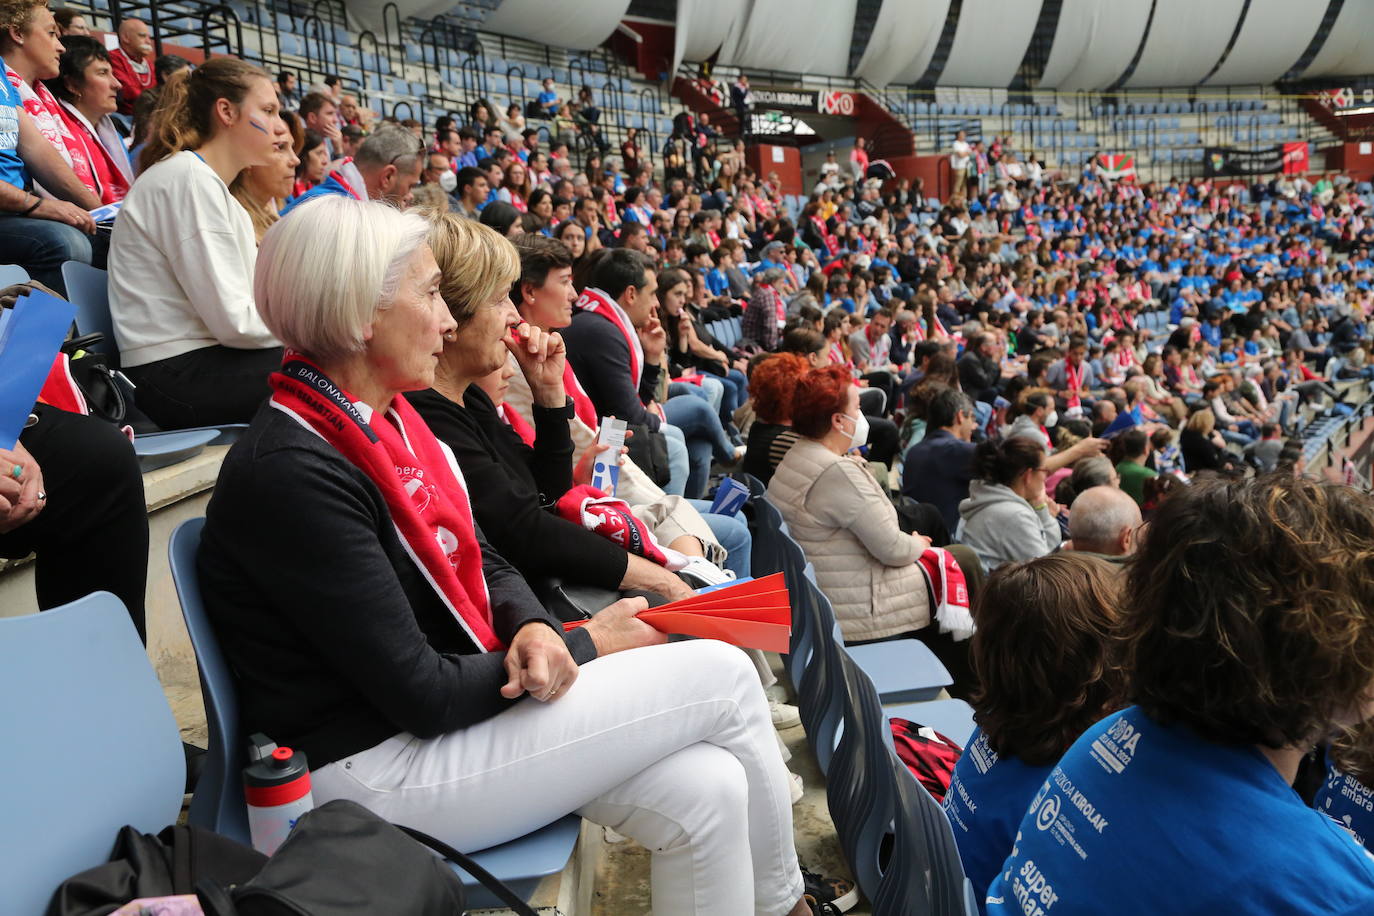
(595, 300)
(582, 403)
(422, 486)
(518, 424)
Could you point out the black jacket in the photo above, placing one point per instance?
(337, 638)
(600, 356)
(514, 487)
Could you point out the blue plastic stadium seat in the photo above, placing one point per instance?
(904, 670)
(951, 718)
(76, 681)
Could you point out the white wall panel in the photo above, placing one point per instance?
(1186, 40)
(1094, 42)
(989, 42)
(903, 40)
(1272, 38)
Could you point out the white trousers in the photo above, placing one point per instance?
(670, 745)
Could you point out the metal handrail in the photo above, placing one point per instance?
(228, 17)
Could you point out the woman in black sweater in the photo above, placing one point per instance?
(1202, 449)
(515, 485)
(371, 626)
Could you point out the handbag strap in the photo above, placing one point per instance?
(488, 880)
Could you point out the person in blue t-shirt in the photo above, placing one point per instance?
(1043, 659)
(548, 99)
(1344, 796)
(1247, 633)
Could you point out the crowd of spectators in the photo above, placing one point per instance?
(1084, 394)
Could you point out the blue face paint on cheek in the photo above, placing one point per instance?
(259, 126)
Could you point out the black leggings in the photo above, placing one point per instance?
(211, 386)
(92, 534)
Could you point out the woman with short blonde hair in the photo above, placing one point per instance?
(340, 549)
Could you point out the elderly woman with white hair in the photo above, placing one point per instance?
(372, 627)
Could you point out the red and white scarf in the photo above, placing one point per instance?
(595, 300)
(612, 519)
(1073, 377)
(419, 479)
(582, 402)
(47, 115)
(518, 424)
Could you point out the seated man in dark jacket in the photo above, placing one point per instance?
(937, 470)
(978, 370)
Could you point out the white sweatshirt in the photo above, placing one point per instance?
(181, 266)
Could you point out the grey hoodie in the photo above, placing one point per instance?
(1001, 527)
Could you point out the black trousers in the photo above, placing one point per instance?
(206, 387)
(92, 534)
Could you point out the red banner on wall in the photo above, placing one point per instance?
(1295, 158)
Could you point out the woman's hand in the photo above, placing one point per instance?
(19, 499)
(538, 663)
(542, 358)
(617, 628)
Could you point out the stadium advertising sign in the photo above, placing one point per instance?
(1224, 161)
(779, 99)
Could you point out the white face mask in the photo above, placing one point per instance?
(860, 434)
(448, 181)
(1051, 419)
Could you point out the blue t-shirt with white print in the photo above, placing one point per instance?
(1348, 802)
(986, 800)
(12, 169)
(1142, 818)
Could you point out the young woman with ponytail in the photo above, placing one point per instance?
(183, 251)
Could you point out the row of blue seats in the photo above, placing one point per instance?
(1176, 107)
(1189, 138)
(983, 110)
(1257, 119)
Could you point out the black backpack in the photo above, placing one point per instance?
(339, 860)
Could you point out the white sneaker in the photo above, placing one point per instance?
(777, 692)
(797, 787)
(784, 715)
(782, 747)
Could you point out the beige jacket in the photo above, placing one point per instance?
(865, 563)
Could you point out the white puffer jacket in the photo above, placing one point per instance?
(865, 563)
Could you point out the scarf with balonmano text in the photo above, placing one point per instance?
(419, 480)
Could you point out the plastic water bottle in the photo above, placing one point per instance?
(276, 785)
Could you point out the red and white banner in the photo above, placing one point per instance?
(1115, 166)
(1295, 158)
(836, 103)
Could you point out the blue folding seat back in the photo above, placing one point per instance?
(218, 803)
(88, 290)
(10, 274)
(924, 873)
(90, 745)
(861, 784)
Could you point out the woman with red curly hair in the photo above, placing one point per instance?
(865, 563)
(771, 436)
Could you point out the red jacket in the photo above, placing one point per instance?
(131, 83)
